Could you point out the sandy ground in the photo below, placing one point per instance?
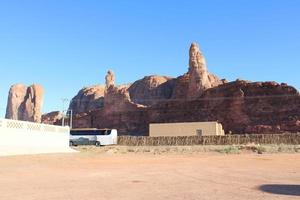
(92, 175)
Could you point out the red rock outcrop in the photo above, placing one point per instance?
(52, 118)
(241, 106)
(109, 79)
(117, 98)
(25, 103)
(88, 99)
(263, 129)
(199, 78)
(118, 111)
(16, 97)
(151, 89)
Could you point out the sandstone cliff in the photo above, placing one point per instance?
(52, 118)
(117, 98)
(87, 99)
(151, 89)
(25, 103)
(241, 106)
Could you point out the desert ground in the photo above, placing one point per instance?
(150, 173)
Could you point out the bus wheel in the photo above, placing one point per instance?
(71, 143)
(98, 144)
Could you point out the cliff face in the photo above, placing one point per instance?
(52, 118)
(118, 111)
(151, 89)
(241, 106)
(87, 99)
(147, 91)
(25, 103)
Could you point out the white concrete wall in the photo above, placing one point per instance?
(21, 138)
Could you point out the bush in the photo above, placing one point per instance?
(230, 150)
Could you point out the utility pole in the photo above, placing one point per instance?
(64, 100)
(71, 118)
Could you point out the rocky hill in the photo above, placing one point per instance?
(241, 106)
(198, 95)
(87, 99)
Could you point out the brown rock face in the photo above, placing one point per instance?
(241, 106)
(199, 78)
(87, 99)
(16, 97)
(52, 118)
(117, 99)
(118, 111)
(262, 129)
(109, 79)
(25, 103)
(151, 89)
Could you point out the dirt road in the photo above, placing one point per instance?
(94, 176)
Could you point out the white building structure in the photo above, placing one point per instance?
(21, 138)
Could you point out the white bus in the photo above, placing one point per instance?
(98, 137)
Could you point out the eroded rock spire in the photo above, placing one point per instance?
(199, 77)
(109, 79)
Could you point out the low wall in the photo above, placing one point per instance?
(20, 138)
(293, 139)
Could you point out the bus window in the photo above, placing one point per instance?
(93, 136)
(104, 132)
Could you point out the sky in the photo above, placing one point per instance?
(65, 45)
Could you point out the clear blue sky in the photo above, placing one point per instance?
(67, 44)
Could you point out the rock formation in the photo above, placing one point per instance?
(87, 99)
(109, 79)
(151, 89)
(241, 106)
(52, 118)
(16, 97)
(116, 101)
(116, 98)
(199, 78)
(25, 103)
